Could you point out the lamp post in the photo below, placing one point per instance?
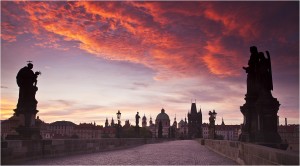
(119, 123)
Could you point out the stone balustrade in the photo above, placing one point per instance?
(16, 151)
(251, 154)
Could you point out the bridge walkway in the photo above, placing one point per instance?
(180, 152)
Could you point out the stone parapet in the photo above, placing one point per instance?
(16, 151)
(251, 154)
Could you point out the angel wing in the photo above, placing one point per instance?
(270, 68)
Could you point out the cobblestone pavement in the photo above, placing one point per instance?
(181, 152)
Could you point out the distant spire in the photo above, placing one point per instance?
(222, 122)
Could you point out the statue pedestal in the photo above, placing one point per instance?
(27, 130)
(267, 107)
(260, 121)
(29, 133)
(137, 131)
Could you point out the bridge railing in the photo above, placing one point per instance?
(251, 154)
(16, 151)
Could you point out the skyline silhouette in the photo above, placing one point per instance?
(101, 57)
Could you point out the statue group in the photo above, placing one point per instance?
(260, 109)
(27, 104)
(259, 79)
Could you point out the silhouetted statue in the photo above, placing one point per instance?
(27, 81)
(264, 76)
(260, 109)
(137, 117)
(252, 71)
(212, 118)
(27, 104)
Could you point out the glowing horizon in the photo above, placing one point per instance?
(100, 57)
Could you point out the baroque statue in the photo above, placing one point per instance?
(137, 117)
(27, 104)
(260, 109)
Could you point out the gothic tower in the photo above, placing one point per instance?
(194, 122)
(150, 122)
(106, 122)
(112, 124)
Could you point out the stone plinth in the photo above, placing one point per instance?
(260, 121)
(27, 129)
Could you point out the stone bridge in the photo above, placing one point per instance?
(180, 152)
(141, 151)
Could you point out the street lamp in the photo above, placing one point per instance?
(119, 123)
(214, 114)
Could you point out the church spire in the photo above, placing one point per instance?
(222, 122)
(106, 122)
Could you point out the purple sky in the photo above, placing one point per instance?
(100, 57)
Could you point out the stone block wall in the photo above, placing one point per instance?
(16, 151)
(251, 154)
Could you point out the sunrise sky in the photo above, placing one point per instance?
(100, 57)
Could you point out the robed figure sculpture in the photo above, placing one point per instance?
(27, 82)
(27, 104)
(260, 109)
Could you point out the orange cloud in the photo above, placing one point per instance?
(7, 107)
(155, 34)
(234, 20)
(221, 61)
(121, 46)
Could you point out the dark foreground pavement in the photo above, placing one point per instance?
(181, 152)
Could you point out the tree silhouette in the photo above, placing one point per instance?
(160, 130)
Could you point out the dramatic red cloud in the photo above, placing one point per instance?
(168, 37)
(221, 61)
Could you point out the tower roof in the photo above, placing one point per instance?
(222, 122)
(193, 108)
(63, 123)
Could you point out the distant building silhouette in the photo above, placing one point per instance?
(175, 123)
(106, 122)
(152, 128)
(127, 124)
(173, 129)
(226, 132)
(182, 129)
(165, 121)
(88, 131)
(144, 121)
(112, 123)
(62, 129)
(150, 122)
(194, 122)
(109, 132)
(290, 135)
